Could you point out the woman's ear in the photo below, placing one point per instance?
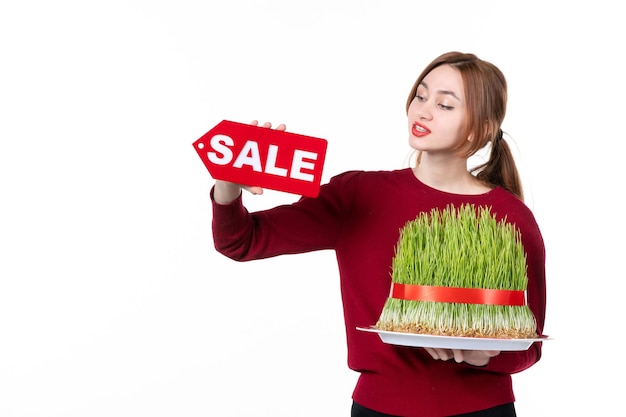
(491, 128)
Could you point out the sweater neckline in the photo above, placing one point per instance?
(409, 171)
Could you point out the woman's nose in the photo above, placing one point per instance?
(423, 112)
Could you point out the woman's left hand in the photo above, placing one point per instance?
(472, 357)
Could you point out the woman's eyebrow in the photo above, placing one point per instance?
(446, 92)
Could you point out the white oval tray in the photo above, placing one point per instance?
(452, 342)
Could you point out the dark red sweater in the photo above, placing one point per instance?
(359, 215)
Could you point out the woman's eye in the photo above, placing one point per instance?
(420, 98)
(444, 107)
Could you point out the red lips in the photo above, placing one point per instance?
(419, 130)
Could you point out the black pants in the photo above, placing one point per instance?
(506, 410)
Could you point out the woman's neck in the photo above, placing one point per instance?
(450, 176)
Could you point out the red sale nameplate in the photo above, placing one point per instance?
(268, 158)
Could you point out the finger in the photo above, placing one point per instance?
(254, 123)
(441, 354)
(432, 352)
(254, 190)
(458, 355)
(445, 354)
(267, 125)
(282, 127)
(492, 353)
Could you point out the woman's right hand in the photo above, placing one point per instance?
(226, 192)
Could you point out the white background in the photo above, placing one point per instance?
(113, 301)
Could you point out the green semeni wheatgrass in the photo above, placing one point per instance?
(461, 247)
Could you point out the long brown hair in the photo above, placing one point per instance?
(486, 95)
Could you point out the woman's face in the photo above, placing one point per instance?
(437, 114)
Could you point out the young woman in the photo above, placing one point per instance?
(455, 108)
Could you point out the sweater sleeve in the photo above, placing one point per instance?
(307, 225)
